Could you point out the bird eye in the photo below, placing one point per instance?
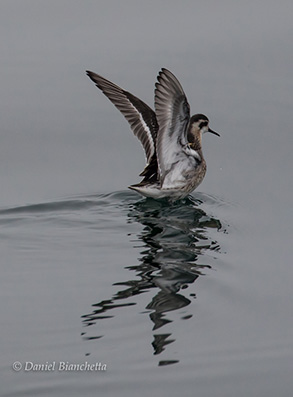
(203, 124)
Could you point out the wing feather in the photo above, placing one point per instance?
(173, 114)
(140, 116)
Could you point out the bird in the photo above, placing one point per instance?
(171, 138)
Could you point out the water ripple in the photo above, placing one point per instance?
(177, 245)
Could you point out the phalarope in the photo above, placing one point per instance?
(170, 137)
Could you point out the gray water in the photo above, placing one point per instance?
(192, 298)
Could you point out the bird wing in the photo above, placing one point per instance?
(141, 117)
(173, 114)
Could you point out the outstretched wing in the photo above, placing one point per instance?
(141, 117)
(173, 114)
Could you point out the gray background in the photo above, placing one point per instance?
(60, 136)
(62, 139)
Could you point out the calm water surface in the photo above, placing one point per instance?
(192, 298)
(149, 291)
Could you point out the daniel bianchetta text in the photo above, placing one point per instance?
(66, 366)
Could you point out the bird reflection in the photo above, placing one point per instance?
(175, 237)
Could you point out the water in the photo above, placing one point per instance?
(108, 293)
(112, 281)
(136, 284)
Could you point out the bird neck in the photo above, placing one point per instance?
(194, 140)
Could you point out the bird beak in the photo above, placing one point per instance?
(213, 132)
